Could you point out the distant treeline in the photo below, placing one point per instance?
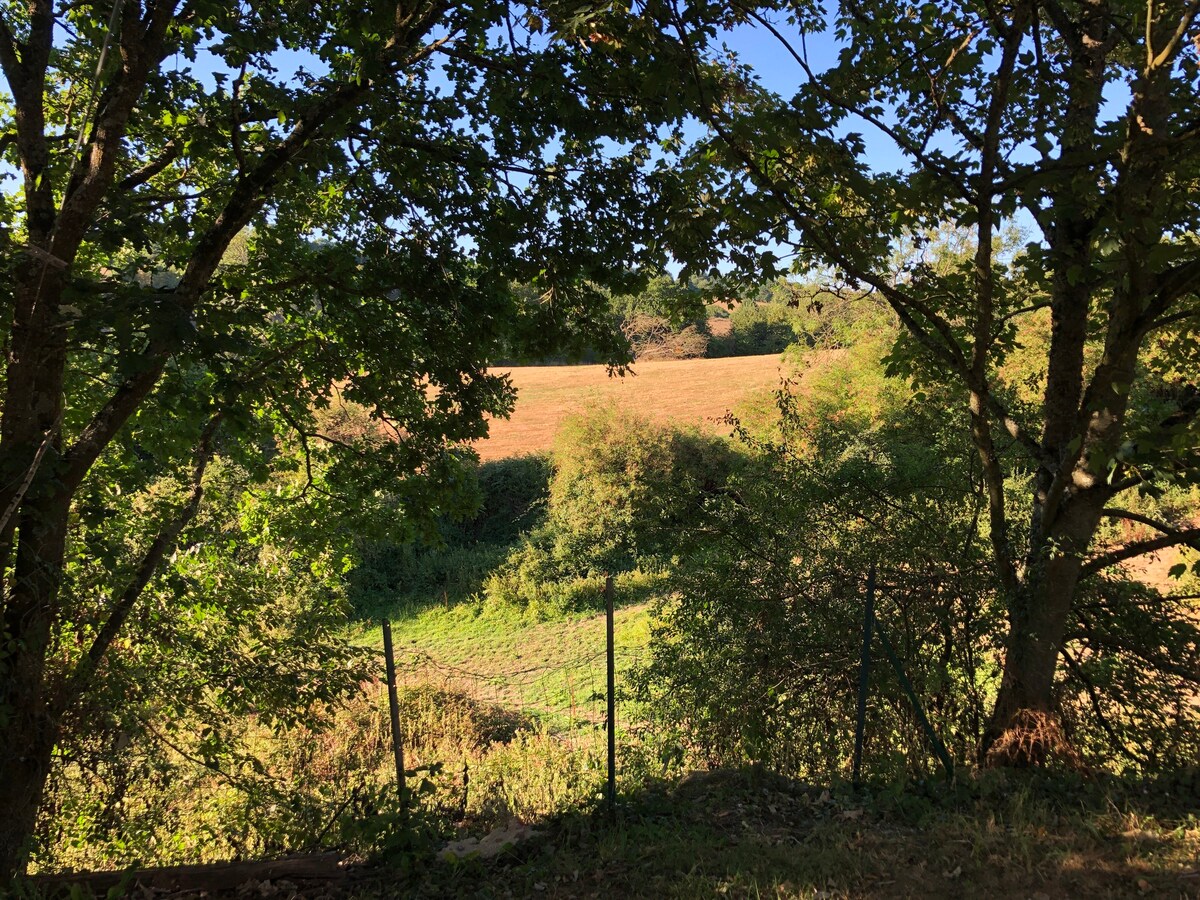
(694, 319)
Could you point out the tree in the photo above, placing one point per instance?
(231, 215)
(1076, 119)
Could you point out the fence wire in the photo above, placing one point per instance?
(525, 728)
(560, 695)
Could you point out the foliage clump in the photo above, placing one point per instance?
(502, 501)
(614, 505)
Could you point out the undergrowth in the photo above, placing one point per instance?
(746, 833)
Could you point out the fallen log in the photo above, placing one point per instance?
(203, 877)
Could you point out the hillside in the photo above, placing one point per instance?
(698, 391)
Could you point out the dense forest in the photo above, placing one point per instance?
(268, 268)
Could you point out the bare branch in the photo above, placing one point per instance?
(1128, 515)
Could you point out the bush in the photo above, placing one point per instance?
(755, 655)
(512, 500)
(513, 494)
(622, 486)
(652, 337)
(391, 577)
(757, 329)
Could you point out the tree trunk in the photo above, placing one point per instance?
(31, 561)
(1025, 704)
(1024, 730)
(26, 745)
(30, 727)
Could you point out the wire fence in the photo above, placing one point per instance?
(450, 712)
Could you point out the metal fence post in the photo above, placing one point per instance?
(612, 702)
(394, 705)
(939, 749)
(864, 673)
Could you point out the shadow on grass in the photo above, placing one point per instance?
(403, 583)
(746, 834)
(751, 834)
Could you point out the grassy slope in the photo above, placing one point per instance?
(733, 836)
(693, 391)
(552, 670)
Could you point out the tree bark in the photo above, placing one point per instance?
(1021, 731)
(24, 770)
(28, 737)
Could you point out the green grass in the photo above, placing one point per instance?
(553, 670)
(518, 702)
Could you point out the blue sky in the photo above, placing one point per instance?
(775, 68)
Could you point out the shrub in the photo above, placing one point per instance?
(621, 487)
(755, 655)
(653, 337)
(512, 495)
(757, 329)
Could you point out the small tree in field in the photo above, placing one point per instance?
(228, 216)
(1078, 119)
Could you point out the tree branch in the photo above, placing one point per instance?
(905, 304)
(944, 346)
(895, 134)
(80, 677)
(104, 425)
(1113, 512)
(1167, 54)
(1097, 707)
(1171, 538)
(9, 60)
(143, 46)
(985, 291)
(1169, 286)
(30, 473)
(140, 176)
